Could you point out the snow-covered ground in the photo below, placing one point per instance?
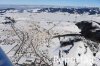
(33, 33)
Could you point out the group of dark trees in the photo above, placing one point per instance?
(90, 31)
(90, 11)
(7, 9)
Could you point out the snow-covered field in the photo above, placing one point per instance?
(31, 39)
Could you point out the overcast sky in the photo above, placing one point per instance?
(53, 2)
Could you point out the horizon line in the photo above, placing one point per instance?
(47, 5)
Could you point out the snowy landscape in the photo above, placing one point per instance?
(50, 35)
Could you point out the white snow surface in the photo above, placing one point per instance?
(57, 24)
